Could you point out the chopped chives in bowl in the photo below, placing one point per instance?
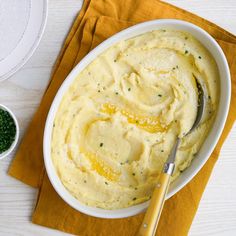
(7, 130)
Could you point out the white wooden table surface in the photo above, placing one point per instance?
(23, 91)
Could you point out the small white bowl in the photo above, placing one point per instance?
(7, 152)
(204, 152)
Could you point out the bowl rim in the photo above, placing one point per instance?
(124, 35)
(11, 148)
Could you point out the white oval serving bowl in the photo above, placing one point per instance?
(206, 148)
(7, 152)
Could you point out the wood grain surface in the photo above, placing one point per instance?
(23, 91)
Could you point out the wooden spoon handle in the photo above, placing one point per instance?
(152, 216)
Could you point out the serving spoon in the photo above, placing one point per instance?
(152, 216)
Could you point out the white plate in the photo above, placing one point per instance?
(204, 152)
(22, 23)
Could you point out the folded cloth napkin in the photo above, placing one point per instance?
(97, 21)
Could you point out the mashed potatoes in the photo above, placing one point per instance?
(120, 117)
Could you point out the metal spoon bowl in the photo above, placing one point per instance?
(200, 112)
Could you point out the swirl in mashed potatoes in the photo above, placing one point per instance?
(119, 119)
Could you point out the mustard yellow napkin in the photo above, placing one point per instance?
(97, 21)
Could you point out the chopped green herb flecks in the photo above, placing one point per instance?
(209, 97)
(99, 91)
(186, 51)
(106, 183)
(129, 89)
(101, 144)
(134, 198)
(186, 38)
(117, 93)
(133, 174)
(7, 130)
(199, 57)
(162, 150)
(159, 95)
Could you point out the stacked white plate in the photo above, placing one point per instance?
(22, 23)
